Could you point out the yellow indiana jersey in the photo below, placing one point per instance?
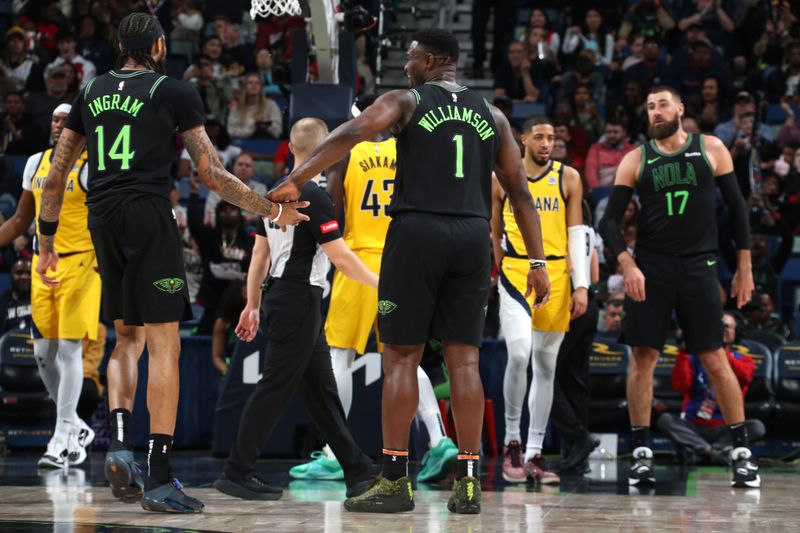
(368, 188)
(548, 198)
(73, 232)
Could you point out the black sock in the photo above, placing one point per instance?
(395, 464)
(640, 436)
(468, 465)
(159, 451)
(739, 435)
(120, 430)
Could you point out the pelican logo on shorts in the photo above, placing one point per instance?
(170, 285)
(385, 307)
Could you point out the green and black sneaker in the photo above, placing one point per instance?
(384, 496)
(466, 498)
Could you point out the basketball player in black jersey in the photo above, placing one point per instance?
(436, 265)
(128, 118)
(676, 175)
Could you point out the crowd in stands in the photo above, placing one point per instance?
(736, 64)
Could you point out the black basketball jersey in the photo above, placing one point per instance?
(129, 119)
(678, 203)
(445, 155)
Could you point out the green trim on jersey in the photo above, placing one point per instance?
(86, 90)
(703, 151)
(155, 86)
(458, 90)
(679, 152)
(641, 163)
(130, 75)
(416, 95)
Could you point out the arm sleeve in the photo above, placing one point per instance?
(30, 170)
(732, 195)
(609, 224)
(74, 119)
(323, 224)
(184, 101)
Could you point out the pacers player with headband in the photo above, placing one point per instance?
(557, 194)
(62, 315)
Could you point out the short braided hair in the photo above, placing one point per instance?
(136, 25)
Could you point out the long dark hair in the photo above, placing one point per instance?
(137, 25)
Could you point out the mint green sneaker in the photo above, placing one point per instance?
(322, 467)
(438, 461)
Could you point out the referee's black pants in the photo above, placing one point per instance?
(570, 412)
(297, 358)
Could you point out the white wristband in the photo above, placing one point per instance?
(280, 212)
(580, 253)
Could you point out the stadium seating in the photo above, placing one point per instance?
(787, 389)
(759, 399)
(608, 371)
(23, 398)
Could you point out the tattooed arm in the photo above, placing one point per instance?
(229, 187)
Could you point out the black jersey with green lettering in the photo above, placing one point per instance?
(678, 203)
(445, 155)
(129, 119)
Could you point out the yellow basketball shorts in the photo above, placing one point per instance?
(353, 311)
(71, 310)
(514, 308)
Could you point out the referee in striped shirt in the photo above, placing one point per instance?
(297, 356)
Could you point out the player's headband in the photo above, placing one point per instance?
(142, 41)
(63, 108)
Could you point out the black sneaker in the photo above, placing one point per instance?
(745, 472)
(579, 453)
(124, 476)
(170, 498)
(358, 485)
(250, 488)
(466, 498)
(384, 496)
(641, 472)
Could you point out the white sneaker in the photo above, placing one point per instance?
(85, 433)
(56, 454)
(76, 453)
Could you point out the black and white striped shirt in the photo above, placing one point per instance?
(296, 254)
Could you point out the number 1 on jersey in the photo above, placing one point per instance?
(459, 140)
(124, 139)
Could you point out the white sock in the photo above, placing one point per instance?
(45, 351)
(70, 357)
(342, 363)
(428, 408)
(540, 397)
(515, 381)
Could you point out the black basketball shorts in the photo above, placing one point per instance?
(434, 280)
(687, 285)
(139, 254)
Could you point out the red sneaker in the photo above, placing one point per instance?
(513, 469)
(536, 470)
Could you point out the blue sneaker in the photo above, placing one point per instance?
(322, 467)
(438, 461)
(124, 476)
(170, 498)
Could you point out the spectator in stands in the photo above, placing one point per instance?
(567, 129)
(633, 110)
(561, 152)
(776, 28)
(212, 47)
(187, 22)
(712, 18)
(784, 81)
(587, 115)
(264, 66)
(503, 10)
(280, 161)
(752, 155)
(549, 38)
(225, 250)
(24, 69)
(73, 81)
(93, 45)
(700, 428)
(636, 52)
(244, 170)
(710, 108)
(761, 316)
(67, 54)
(40, 105)
(790, 129)
(513, 79)
(591, 36)
(766, 269)
(688, 80)
(232, 46)
(222, 142)
(743, 104)
(43, 18)
(21, 134)
(253, 114)
(648, 18)
(690, 124)
(652, 70)
(215, 93)
(191, 254)
(612, 317)
(543, 59)
(223, 340)
(605, 155)
(15, 303)
(584, 74)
